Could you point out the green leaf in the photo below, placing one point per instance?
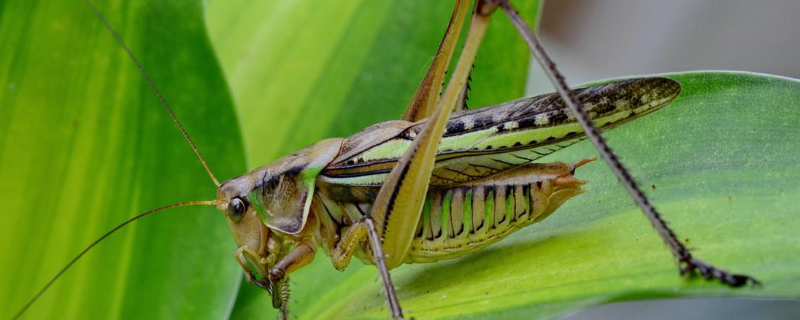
(720, 164)
(85, 144)
(302, 73)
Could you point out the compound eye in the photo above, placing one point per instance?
(236, 209)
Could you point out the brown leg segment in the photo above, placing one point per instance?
(388, 287)
(686, 262)
(302, 254)
(275, 281)
(343, 252)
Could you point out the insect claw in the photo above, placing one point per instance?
(688, 265)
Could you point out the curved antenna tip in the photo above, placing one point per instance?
(103, 237)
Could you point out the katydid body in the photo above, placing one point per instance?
(484, 184)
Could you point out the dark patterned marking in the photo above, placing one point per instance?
(501, 128)
(539, 153)
(409, 134)
(462, 173)
(443, 178)
(360, 210)
(520, 157)
(456, 212)
(533, 142)
(606, 108)
(526, 192)
(503, 162)
(482, 166)
(514, 199)
(560, 117)
(393, 198)
(500, 203)
(478, 209)
(260, 182)
(483, 122)
(455, 127)
(328, 211)
(529, 122)
(436, 223)
(489, 169)
(271, 183)
(517, 144)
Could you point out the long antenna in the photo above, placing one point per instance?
(103, 237)
(152, 86)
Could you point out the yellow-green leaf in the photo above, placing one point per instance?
(720, 163)
(85, 144)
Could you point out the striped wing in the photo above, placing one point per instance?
(482, 142)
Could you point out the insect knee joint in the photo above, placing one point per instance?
(276, 275)
(487, 7)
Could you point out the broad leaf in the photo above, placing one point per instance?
(85, 144)
(720, 162)
(289, 74)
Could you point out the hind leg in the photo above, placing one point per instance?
(687, 264)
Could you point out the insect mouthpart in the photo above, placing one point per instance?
(280, 294)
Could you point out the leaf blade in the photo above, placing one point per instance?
(599, 248)
(86, 145)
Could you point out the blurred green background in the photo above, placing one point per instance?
(84, 145)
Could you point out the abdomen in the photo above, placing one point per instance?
(465, 218)
(461, 220)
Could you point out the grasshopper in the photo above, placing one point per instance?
(440, 183)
